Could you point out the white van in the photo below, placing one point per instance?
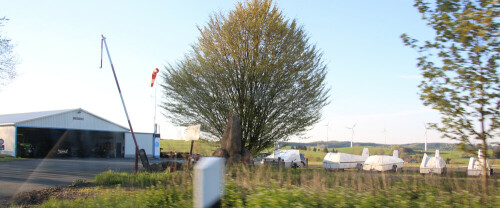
(290, 158)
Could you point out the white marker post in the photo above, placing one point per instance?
(192, 134)
(208, 182)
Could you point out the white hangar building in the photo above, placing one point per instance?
(70, 133)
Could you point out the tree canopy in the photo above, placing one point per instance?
(7, 58)
(460, 69)
(255, 64)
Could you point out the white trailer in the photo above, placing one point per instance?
(434, 164)
(340, 161)
(384, 162)
(475, 167)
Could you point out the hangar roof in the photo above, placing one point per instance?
(60, 119)
(20, 117)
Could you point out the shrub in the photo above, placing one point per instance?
(325, 150)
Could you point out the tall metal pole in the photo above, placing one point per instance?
(352, 135)
(385, 137)
(327, 132)
(154, 118)
(155, 127)
(103, 41)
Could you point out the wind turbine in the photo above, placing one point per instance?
(385, 136)
(425, 136)
(327, 124)
(352, 132)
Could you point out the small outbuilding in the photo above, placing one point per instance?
(68, 133)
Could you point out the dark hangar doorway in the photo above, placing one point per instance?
(61, 143)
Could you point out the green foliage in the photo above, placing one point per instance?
(79, 182)
(265, 196)
(8, 60)
(301, 147)
(269, 187)
(404, 152)
(255, 64)
(325, 149)
(459, 68)
(6, 158)
(496, 152)
(150, 197)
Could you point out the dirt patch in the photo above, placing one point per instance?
(34, 198)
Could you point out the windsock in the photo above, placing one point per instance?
(154, 76)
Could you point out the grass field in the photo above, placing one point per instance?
(316, 157)
(270, 187)
(200, 146)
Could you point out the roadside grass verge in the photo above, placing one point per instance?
(142, 179)
(7, 158)
(118, 197)
(271, 187)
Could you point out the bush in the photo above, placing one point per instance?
(269, 187)
(496, 152)
(325, 150)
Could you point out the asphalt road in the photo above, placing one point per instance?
(27, 175)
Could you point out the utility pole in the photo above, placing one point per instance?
(385, 136)
(327, 131)
(103, 43)
(425, 127)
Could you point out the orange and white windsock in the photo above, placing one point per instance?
(154, 76)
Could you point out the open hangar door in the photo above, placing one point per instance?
(42, 143)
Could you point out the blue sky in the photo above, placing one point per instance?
(372, 75)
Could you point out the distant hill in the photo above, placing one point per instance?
(440, 146)
(341, 144)
(330, 144)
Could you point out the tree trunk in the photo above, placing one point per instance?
(484, 148)
(485, 170)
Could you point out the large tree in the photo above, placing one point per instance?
(459, 68)
(7, 58)
(255, 64)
